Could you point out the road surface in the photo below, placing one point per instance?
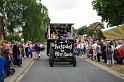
(62, 72)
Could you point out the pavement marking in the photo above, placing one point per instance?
(113, 72)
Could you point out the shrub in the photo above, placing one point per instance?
(13, 37)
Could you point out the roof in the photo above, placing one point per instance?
(96, 25)
(61, 24)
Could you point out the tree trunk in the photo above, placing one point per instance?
(2, 31)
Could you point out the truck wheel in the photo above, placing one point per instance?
(51, 61)
(74, 61)
(47, 54)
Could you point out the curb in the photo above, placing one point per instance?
(113, 72)
(24, 71)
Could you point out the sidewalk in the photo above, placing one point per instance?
(117, 74)
(20, 71)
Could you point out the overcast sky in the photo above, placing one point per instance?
(79, 12)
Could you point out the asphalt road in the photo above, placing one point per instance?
(62, 72)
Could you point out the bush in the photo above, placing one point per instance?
(13, 37)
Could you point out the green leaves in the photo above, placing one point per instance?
(35, 16)
(83, 30)
(111, 11)
(94, 29)
(13, 37)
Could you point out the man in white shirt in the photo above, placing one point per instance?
(82, 45)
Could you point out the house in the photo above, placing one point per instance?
(97, 25)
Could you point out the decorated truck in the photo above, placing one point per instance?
(60, 43)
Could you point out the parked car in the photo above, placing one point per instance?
(119, 54)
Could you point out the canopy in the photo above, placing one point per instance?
(114, 32)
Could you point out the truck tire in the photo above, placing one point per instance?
(74, 61)
(51, 61)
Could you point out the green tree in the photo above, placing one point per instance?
(11, 11)
(91, 31)
(13, 37)
(111, 11)
(33, 14)
(83, 30)
(36, 17)
(99, 34)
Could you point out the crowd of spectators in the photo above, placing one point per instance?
(13, 53)
(98, 50)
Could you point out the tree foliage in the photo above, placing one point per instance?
(89, 31)
(83, 30)
(111, 11)
(36, 17)
(30, 16)
(11, 10)
(99, 34)
(13, 37)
